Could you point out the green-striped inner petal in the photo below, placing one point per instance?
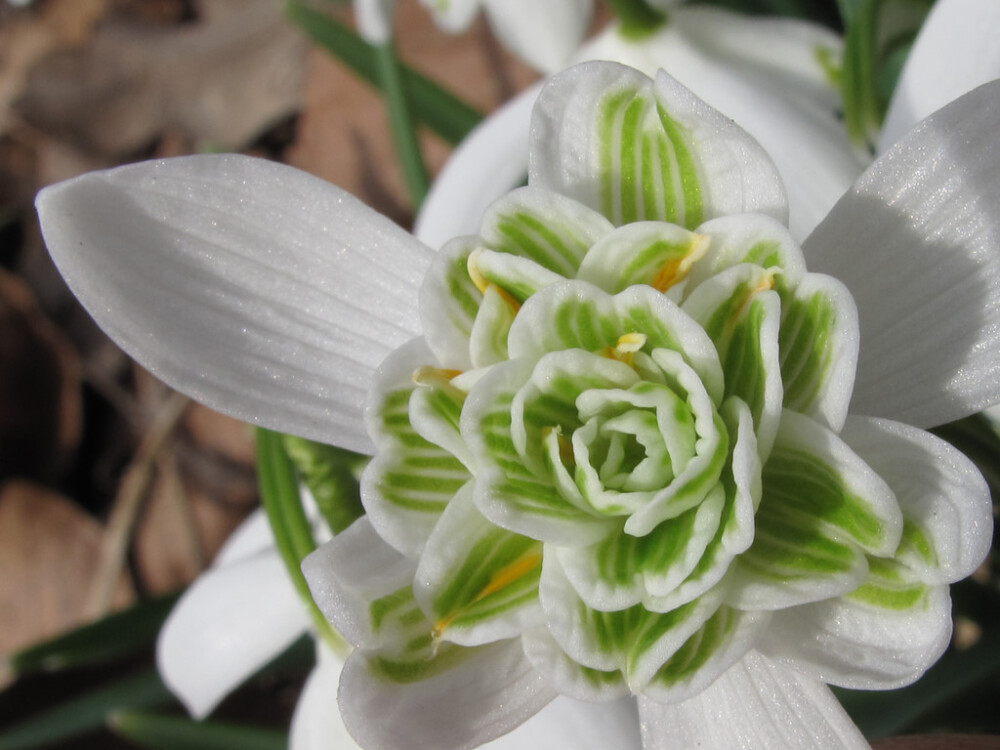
(806, 343)
(890, 586)
(553, 242)
(500, 573)
(416, 475)
(648, 170)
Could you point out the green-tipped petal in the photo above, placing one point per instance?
(740, 311)
(550, 229)
(623, 570)
(450, 302)
(579, 316)
(946, 506)
(822, 509)
(819, 348)
(410, 481)
(604, 135)
(856, 642)
(441, 701)
(508, 491)
(646, 252)
(477, 582)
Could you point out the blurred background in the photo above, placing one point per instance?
(116, 492)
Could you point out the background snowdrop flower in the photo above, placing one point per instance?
(954, 52)
(770, 75)
(543, 34)
(764, 73)
(275, 297)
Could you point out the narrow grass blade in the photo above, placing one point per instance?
(87, 712)
(178, 733)
(438, 109)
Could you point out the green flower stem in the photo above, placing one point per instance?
(177, 733)
(636, 17)
(438, 109)
(404, 135)
(279, 492)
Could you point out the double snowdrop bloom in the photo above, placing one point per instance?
(613, 453)
(543, 34)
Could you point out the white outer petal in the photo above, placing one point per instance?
(543, 33)
(316, 723)
(459, 708)
(955, 51)
(756, 705)
(917, 241)
(488, 164)
(231, 622)
(255, 288)
(252, 536)
(568, 724)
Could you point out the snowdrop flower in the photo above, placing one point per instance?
(543, 34)
(632, 344)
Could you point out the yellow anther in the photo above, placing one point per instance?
(565, 446)
(676, 270)
(482, 283)
(764, 284)
(475, 274)
(625, 348)
(431, 376)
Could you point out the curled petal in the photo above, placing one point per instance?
(231, 622)
(256, 289)
(946, 505)
(477, 695)
(766, 75)
(756, 705)
(924, 215)
(407, 485)
(856, 645)
(350, 574)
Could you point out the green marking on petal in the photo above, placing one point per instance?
(699, 648)
(500, 573)
(420, 663)
(488, 340)
(915, 543)
(806, 485)
(806, 343)
(412, 473)
(890, 586)
(648, 170)
(399, 604)
(691, 187)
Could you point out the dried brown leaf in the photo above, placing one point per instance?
(48, 554)
(220, 81)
